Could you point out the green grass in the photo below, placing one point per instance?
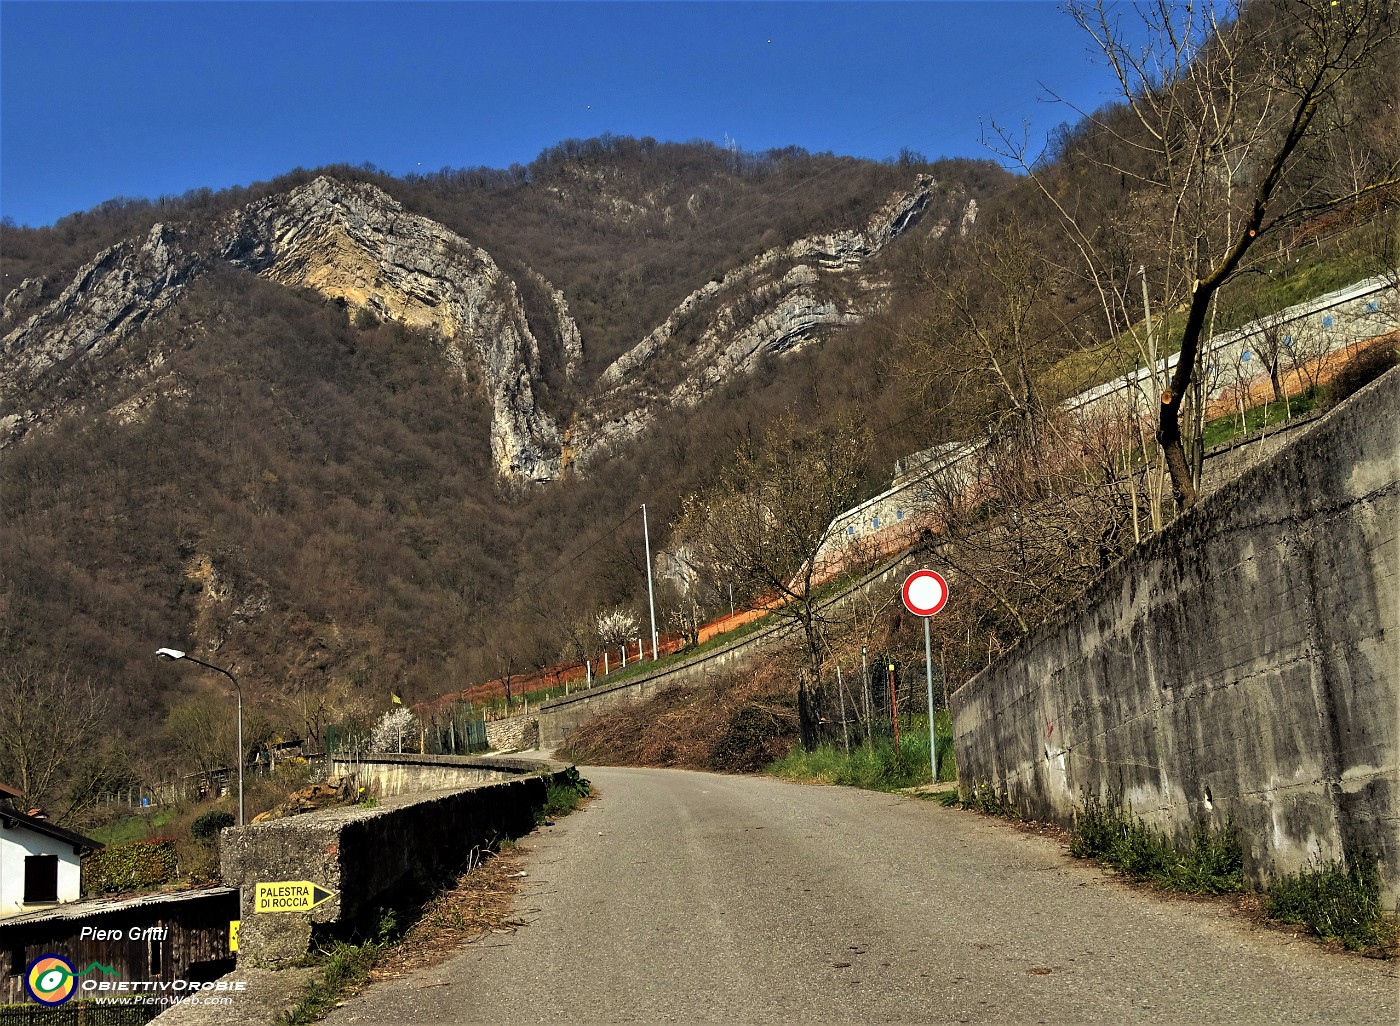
(1106, 831)
(1279, 285)
(877, 767)
(635, 668)
(563, 796)
(829, 590)
(1224, 429)
(132, 828)
(1336, 900)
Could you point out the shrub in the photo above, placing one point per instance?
(131, 866)
(1358, 372)
(1105, 830)
(208, 825)
(563, 796)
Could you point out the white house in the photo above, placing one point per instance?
(40, 864)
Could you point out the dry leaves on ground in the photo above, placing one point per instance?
(481, 902)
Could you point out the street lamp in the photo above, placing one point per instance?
(175, 653)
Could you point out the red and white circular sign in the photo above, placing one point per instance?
(925, 592)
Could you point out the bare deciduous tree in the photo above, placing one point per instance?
(766, 519)
(49, 721)
(1027, 528)
(1229, 115)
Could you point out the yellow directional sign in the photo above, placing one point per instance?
(289, 896)
(233, 926)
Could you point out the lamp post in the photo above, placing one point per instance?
(175, 653)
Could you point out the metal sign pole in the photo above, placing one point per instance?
(894, 709)
(928, 665)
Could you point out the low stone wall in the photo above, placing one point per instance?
(386, 857)
(387, 776)
(513, 733)
(1242, 668)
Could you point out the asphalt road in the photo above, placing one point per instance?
(680, 897)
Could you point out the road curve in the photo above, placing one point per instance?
(681, 897)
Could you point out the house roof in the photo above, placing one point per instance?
(105, 906)
(10, 819)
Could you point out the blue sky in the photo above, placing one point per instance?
(99, 100)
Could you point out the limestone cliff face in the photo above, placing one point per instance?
(356, 243)
(774, 303)
(110, 295)
(350, 242)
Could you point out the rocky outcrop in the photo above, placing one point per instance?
(356, 243)
(26, 293)
(570, 339)
(349, 242)
(113, 293)
(775, 303)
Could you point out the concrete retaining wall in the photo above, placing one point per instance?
(1242, 667)
(386, 857)
(559, 716)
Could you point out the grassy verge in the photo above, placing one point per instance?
(1227, 428)
(345, 969)
(1336, 900)
(878, 766)
(136, 827)
(1308, 274)
(562, 797)
(1213, 864)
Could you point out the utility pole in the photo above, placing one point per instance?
(651, 599)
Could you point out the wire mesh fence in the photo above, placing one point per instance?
(853, 706)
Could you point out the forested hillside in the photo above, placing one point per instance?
(294, 473)
(305, 492)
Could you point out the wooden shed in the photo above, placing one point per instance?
(181, 935)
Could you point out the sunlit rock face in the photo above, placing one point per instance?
(354, 243)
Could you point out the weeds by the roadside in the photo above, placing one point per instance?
(984, 798)
(346, 968)
(1336, 900)
(1105, 830)
(877, 767)
(562, 796)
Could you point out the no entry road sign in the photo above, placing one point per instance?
(925, 592)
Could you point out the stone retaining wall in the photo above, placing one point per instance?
(513, 733)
